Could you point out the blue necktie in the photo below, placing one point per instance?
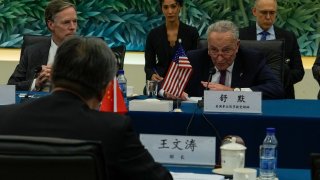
(264, 35)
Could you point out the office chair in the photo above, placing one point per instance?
(119, 52)
(29, 40)
(43, 158)
(315, 166)
(274, 51)
(202, 43)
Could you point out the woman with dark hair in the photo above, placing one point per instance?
(162, 41)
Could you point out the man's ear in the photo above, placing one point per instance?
(254, 11)
(50, 25)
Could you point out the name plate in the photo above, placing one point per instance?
(232, 101)
(174, 149)
(7, 94)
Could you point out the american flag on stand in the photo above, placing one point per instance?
(178, 74)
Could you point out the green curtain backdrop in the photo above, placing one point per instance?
(129, 21)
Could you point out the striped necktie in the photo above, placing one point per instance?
(264, 35)
(222, 79)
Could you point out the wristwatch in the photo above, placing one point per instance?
(237, 89)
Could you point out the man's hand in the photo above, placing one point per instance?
(216, 86)
(156, 77)
(43, 77)
(183, 97)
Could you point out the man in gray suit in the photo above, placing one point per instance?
(61, 20)
(265, 12)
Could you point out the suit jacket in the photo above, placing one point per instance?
(249, 71)
(316, 69)
(293, 69)
(33, 57)
(65, 115)
(159, 53)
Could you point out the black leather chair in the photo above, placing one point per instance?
(29, 40)
(274, 51)
(119, 52)
(315, 166)
(39, 158)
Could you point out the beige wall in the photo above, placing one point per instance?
(134, 70)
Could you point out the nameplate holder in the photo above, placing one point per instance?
(175, 149)
(155, 105)
(7, 94)
(232, 101)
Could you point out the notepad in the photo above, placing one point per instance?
(195, 176)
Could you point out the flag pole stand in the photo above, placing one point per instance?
(176, 104)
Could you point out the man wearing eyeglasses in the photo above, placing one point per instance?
(61, 20)
(265, 12)
(226, 66)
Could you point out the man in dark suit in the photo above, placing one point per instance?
(61, 20)
(235, 68)
(82, 70)
(265, 12)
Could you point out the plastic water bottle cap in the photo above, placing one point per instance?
(271, 130)
(121, 71)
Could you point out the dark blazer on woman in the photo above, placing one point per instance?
(159, 53)
(249, 71)
(293, 67)
(65, 115)
(33, 57)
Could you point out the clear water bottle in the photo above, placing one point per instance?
(268, 156)
(122, 81)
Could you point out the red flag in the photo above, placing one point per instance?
(178, 73)
(113, 100)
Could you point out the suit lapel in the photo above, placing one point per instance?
(237, 73)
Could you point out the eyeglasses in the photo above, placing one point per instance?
(266, 13)
(225, 52)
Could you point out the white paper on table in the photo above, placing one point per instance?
(194, 176)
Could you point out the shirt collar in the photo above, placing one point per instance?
(270, 30)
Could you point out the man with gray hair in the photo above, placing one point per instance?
(61, 20)
(265, 12)
(82, 70)
(230, 67)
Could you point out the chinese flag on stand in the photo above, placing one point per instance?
(113, 100)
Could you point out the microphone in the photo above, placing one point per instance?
(36, 72)
(212, 71)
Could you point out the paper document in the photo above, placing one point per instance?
(194, 176)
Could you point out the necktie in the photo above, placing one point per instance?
(264, 35)
(222, 79)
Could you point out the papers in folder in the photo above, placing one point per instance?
(194, 176)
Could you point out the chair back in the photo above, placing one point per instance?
(274, 51)
(38, 158)
(29, 40)
(119, 52)
(202, 43)
(315, 166)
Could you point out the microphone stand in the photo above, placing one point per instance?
(36, 71)
(211, 73)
